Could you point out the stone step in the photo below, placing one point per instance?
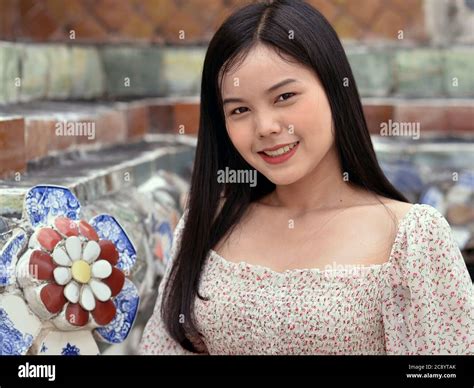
(95, 173)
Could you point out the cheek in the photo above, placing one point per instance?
(314, 120)
(240, 138)
(312, 114)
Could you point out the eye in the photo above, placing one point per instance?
(240, 107)
(286, 94)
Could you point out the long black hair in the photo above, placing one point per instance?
(314, 44)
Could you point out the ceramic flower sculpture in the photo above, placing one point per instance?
(63, 280)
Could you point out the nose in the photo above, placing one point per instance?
(267, 124)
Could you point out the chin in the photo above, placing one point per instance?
(283, 179)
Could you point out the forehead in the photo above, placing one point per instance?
(261, 68)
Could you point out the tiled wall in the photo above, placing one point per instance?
(109, 50)
(158, 21)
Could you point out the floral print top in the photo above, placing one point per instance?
(419, 302)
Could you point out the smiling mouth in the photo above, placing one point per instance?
(280, 151)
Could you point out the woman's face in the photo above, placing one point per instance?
(259, 116)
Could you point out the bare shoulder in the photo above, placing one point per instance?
(374, 207)
(399, 208)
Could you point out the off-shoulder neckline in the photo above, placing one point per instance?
(349, 268)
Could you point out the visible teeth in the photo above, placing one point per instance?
(280, 151)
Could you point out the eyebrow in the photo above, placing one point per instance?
(271, 89)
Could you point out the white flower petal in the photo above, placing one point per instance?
(71, 292)
(87, 299)
(101, 269)
(60, 257)
(62, 275)
(91, 252)
(74, 248)
(100, 290)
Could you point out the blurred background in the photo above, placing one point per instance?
(102, 96)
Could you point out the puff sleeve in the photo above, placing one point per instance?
(428, 296)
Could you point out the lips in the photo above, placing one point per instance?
(280, 150)
(277, 146)
(280, 155)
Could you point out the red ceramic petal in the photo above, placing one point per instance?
(115, 281)
(104, 312)
(76, 315)
(88, 231)
(66, 226)
(48, 238)
(108, 252)
(41, 266)
(53, 298)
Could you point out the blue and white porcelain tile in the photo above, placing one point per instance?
(108, 228)
(72, 343)
(18, 326)
(9, 256)
(43, 202)
(126, 302)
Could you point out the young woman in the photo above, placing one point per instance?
(322, 255)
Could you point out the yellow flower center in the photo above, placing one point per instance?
(81, 271)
